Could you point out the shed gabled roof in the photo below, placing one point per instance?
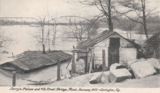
(104, 35)
(31, 60)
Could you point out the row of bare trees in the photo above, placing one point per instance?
(48, 36)
(80, 29)
(135, 10)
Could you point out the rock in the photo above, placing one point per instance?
(135, 61)
(100, 77)
(116, 66)
(119, 75)
(142, 69)
(96, 78)
(155, 63)
(105, 77)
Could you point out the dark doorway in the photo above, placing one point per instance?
(113, 51)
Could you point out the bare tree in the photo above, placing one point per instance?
(4, 43)
(79, 30)
(105, 6)
(42, 26)
(47, 38)
(51, 37)
(51, 33)
(138, 7)
(54, 32)
(82, 28)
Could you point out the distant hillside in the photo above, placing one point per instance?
(153, 24)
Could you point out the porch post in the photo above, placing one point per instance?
(14, 79)
(59, 70)
(87, 60)
(91, 61)
(103, 60)
(73, 61)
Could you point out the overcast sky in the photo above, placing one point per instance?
(36, 8)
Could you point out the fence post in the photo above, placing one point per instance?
(103, 60)
(14, 79)
(86, 59)
(73, 61)
(93, 64)
(58, 70)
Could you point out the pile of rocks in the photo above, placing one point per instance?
(140, 68)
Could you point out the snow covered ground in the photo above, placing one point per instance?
(83, 81)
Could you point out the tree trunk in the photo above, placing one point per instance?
(143, 2)
(49, 46)
(44, 51)
(54, 37)
(110, 24)
(43, 45)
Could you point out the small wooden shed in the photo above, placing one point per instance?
(108, 48)
(30, 61)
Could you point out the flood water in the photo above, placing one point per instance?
(23, 38)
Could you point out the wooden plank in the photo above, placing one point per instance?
(14, 79)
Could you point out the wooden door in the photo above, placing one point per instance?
(113, 51)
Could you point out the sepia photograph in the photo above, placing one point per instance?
(80, 43)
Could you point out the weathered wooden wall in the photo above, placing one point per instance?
(125, 46)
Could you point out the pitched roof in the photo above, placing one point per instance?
(104, 35)
(31, 60)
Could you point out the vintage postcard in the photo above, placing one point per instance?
(80, 45)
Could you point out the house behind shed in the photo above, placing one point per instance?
(152, 46)
(110, 47)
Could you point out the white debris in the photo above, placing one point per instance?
(96, 78)
(116, 66)
(119, 75)
(100, 77)
(142, 69)
(105, 77)
(135, 61)
(154, 62)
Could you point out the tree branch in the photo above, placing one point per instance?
(125, 14)
(103, 9)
